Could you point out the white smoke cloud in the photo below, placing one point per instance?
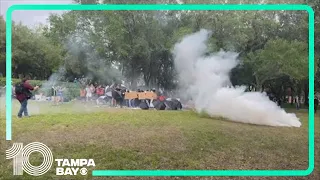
(206, 80)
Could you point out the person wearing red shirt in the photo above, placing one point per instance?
(100, 91)
(162, 98)
(23, 98)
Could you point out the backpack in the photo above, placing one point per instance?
(19, 88)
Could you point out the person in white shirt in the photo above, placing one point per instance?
(89, 93)
(297, 103)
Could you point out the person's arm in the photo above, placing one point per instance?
(29, 87)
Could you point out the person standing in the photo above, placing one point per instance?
(60, 94)
(57, 97)
(99, 91)
(297, 103)
(93, 91)
(106, 89)
(88, 93)
(23, 94)
(100, 94)
(83, 94)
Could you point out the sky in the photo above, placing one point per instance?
(30, 18)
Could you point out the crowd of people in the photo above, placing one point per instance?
(91, 92)
(113, 95)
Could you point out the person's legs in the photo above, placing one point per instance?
(120, 102)
(57, 100)
(129, 103)
(26, 108)
(23, 108)
(98, 100)
(147, 102)
(151, 103)
(113, 102)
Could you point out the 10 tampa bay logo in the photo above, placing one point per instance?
(21, 155)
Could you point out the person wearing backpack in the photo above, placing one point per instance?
(23, 94)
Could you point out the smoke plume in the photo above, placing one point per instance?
(206, 80)
(84, 59)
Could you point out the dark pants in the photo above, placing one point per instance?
(119, 101)
(23, 108)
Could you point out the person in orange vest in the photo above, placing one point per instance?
(82, 94)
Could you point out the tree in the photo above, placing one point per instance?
(33, 54)
(279, 57)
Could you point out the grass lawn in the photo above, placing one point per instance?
(137, 139)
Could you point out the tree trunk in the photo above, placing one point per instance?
(133, 84)
(259, 84)
(147, 81)
(133, 78)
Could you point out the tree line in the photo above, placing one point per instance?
(137, 45)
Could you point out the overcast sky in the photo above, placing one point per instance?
(30, 18)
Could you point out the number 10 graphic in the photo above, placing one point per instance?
(20, 156)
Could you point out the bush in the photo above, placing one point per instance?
(72, 89)
(14, 81)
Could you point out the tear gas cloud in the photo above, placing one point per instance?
(82, 58)
(206, 80)
(89, 60)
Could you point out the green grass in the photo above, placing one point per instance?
(136, 139)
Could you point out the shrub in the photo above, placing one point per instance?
(72, 89)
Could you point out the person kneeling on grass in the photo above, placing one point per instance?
(23, 94)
